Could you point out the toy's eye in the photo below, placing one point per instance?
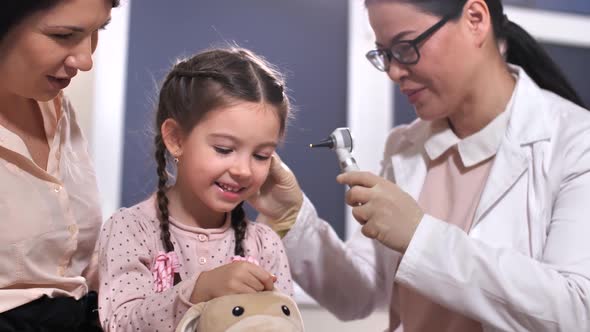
(286, 310)
(237, 311)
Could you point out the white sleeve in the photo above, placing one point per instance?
(349, 279)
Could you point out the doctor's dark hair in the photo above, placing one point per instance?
(522, 49)
(207, 81)
(12, 12)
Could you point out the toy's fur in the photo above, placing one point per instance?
(260, 312)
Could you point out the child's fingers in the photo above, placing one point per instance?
(265, 278)
(249, 286)
(251, 282)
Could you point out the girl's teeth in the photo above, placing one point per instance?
(226, 188)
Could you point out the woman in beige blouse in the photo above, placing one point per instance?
(49, 206)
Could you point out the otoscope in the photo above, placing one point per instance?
(341, 141)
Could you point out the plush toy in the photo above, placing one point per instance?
(259, 312)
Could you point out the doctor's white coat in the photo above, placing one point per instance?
(525, 264)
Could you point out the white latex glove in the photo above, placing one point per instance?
(279, 199)
(387, 213)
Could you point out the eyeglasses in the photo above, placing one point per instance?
(404, 52)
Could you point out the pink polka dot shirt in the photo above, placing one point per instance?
(128, 245)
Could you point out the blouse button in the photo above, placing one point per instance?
(202, 237)
(202, 260)
(72, 229)
(57, 188)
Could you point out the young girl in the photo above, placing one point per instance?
(220, 117)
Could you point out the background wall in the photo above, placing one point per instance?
(304, 38)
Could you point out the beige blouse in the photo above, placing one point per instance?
(49, 220)
(457, 172)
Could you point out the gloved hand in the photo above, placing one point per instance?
(387, 213)
(279, 199)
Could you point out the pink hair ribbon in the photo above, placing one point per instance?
(165, 265)
(248, 259)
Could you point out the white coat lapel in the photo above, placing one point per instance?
(528, 124)
(509, 165)
(410, 172)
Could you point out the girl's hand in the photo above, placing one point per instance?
(234, 278)
(279, 198)
(387, 213)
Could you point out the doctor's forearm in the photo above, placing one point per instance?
(329, 270)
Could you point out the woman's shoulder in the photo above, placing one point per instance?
(567, 126)
(540, 110)
(567, 122)
(406, 135)
(571, 113)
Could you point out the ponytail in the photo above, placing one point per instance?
(523, 50)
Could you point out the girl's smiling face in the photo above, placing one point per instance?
(225, 158)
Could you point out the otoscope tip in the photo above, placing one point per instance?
(327, 143)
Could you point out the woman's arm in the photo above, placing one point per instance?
(349, 279)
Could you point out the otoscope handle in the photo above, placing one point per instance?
(348, 165)
(346, 161)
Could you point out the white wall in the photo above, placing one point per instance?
(99, 98)
(81, 94)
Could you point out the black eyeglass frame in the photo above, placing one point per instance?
(414, 43)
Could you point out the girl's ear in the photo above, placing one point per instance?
(172, 137)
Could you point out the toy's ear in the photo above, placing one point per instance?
(190, 319)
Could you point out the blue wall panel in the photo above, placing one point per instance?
(307, 39)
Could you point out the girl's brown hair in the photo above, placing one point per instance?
(204, 82)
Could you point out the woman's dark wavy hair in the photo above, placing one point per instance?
(522, 49)
(207, 81)
(12, 12)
